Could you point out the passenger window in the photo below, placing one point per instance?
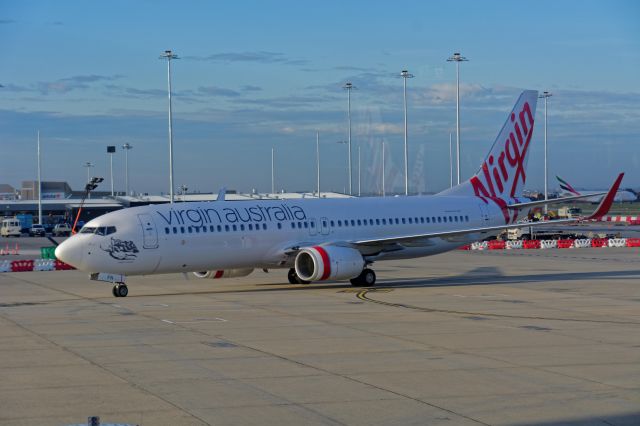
(279, 225)
(293, 225)
(444, 219)
(182, 229)
(339, 223)
(333, 224)
(466, 218)
(166, 230)
(197, 229)
(264, 226)
(439, 219)
(219, 228)
(404, 220)
(250, 227)
(353, 222)
(359, 222)
(324, 223)
(226, 228)
(377, 221)
(235, 227)
(175, 230)
(384, 221)
(410, 220)
(313, 224)
(211, 228)
(242, 227)
(306, 225)
(427, 219)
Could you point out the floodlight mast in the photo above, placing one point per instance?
(457, 58)
(169, 55)
(348, 86)
(88, 165)
(405, 75)
(126, 147)
(545, 95)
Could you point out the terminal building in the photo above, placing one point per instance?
(61, 204)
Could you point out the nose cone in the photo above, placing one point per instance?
(71, 252)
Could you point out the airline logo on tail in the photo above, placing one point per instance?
(503, 173)
(566, 186)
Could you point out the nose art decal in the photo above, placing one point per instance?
(120, 249)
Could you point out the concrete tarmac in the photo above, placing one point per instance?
(540, 337)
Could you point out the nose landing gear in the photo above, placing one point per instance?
(120, 290)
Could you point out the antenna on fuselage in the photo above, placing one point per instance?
(221, 194)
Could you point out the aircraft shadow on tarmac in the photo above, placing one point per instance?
(475, 277)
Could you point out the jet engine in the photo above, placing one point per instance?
(227, 273)
(329, 262)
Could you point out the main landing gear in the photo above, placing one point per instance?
(367, 278)
(294, 278)
(120, 290)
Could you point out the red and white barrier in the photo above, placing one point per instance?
(548, 244)
(34, 265)
(621, 219)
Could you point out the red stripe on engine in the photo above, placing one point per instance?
(325, 262)
(218, 274)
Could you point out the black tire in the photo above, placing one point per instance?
(122, 290)
(114, 291)
(292, 276)
(367, 278)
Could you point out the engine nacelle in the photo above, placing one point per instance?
(227, 273)
(322, 263)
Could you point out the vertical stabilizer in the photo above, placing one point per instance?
(503, 171)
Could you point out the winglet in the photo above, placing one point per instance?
(607, 201)
(221, 194)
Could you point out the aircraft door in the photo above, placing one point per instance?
(484, 214)
(324, 226)
(149, 231)
(313, 226)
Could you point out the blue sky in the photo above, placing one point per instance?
(259, 75)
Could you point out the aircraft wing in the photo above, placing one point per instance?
(601, 210)
(520, 206)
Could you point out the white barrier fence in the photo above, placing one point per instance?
(617, 242)
(547, 244)
(582, 243)
(517, 244)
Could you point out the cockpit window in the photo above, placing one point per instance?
(100, 230)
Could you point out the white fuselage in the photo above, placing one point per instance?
(200, 236)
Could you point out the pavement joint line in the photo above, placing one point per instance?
(363, 295)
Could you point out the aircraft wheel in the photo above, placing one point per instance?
(121, 290)
(114, 291)
(294, 278)
(367, 278)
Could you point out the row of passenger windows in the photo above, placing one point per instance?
(311, 224)
(212, 228)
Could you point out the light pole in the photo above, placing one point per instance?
(39, 184)
(405, 75)
(88, 165)
(318, 160)
(111, 150)
(273, 175)
(348, 86)
(545, 95)
(359, 173)
(349, 164)
(169, 55)
(457, 58)
(450, 163)
(383, 170)
(126, 148)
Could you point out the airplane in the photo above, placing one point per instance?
(315, 239)
(623, 195)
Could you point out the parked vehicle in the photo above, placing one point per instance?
(62, 229)
(10, 227)
(37, 231)
(26, 220)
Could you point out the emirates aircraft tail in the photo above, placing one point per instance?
(503, 172)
